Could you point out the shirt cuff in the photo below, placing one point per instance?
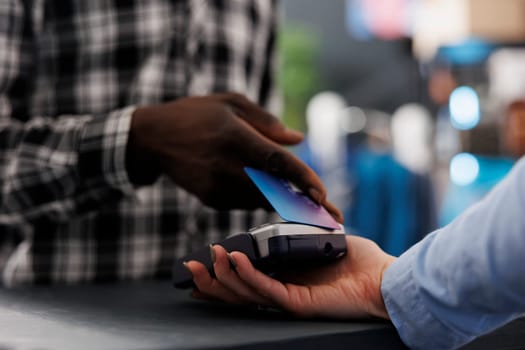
(407, 308)
(102, 151)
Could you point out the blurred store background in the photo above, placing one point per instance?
(413, 109)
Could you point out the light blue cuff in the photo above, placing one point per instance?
(416, 325)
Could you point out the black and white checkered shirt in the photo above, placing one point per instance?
(70, 73)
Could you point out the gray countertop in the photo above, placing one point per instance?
(153, 315)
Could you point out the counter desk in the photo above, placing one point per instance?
(153, 315)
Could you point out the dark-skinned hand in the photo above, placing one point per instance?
(203, 144)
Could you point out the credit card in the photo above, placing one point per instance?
(289, 202)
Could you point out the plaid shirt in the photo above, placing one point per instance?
(70, 73)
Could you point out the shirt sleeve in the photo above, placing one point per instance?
(57, 167)
(465, 279)
(51, 167)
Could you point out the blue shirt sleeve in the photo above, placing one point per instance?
(465, 279)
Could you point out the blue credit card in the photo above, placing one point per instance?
(289, 202)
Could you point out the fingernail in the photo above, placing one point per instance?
(185, 264)
(315, 194)
(295, 133)
(212, 254)
(232, 260)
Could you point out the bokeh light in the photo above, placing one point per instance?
(325, 136)
(353, 120)
(411, 135)
(464, 108)
(464, 169)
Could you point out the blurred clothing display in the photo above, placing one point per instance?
(489, 169)
(458, 197)
(390, 204)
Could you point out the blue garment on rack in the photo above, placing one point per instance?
(390, 204)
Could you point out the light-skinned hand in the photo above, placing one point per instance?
(349, 288)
